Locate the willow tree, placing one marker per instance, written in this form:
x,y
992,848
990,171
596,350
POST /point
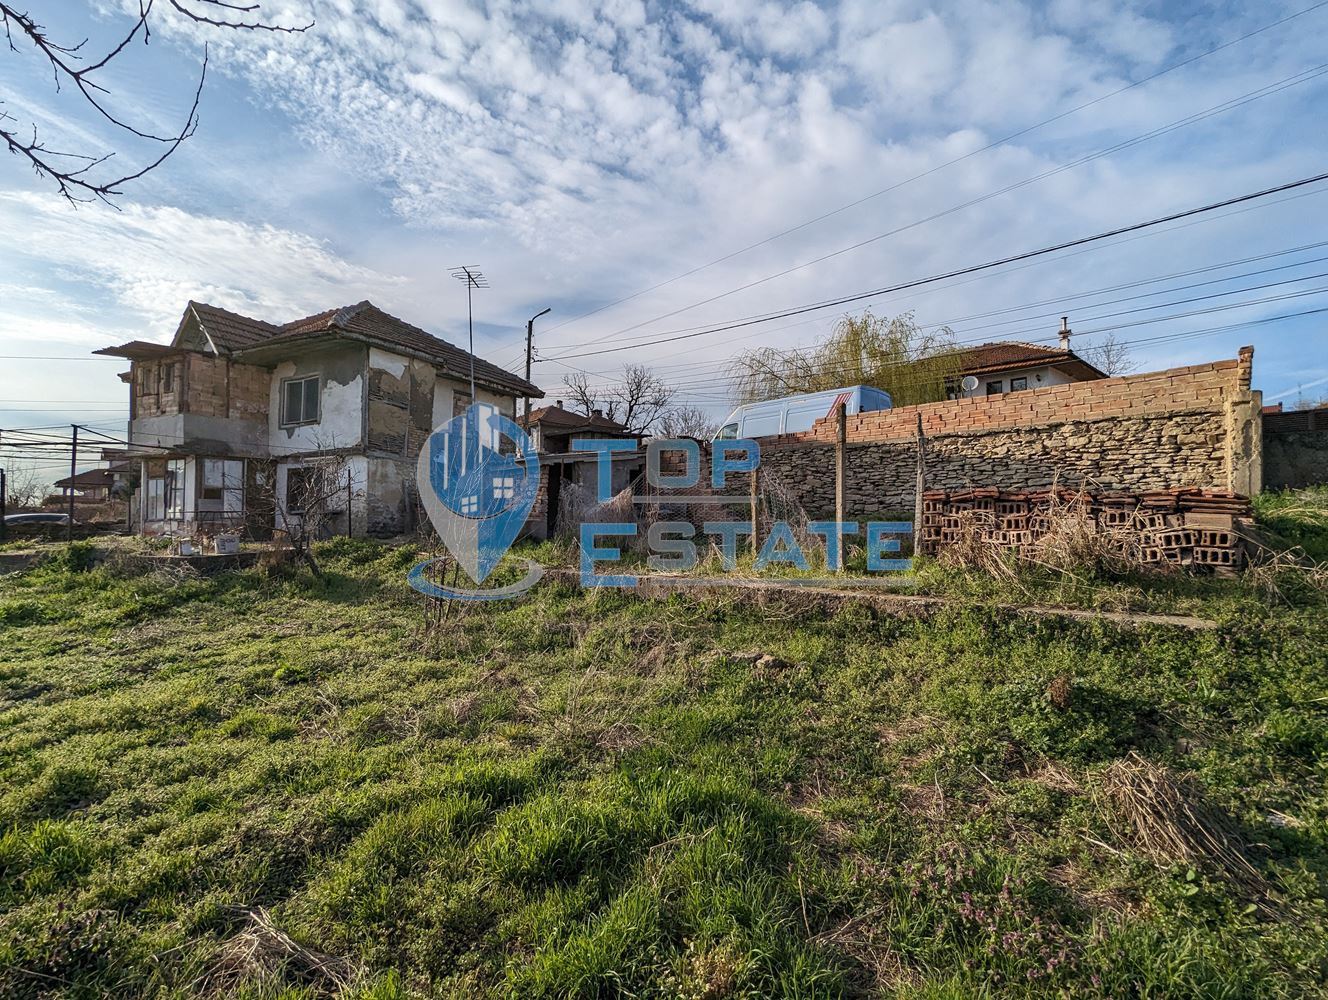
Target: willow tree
x,y
912,364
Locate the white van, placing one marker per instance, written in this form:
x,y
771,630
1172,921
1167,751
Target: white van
x,y
797,413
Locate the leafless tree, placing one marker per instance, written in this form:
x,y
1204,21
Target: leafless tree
x,y
318,494
82,176
687,421
23,487
1111,356
637,400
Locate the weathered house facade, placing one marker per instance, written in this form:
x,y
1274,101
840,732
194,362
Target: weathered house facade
x,y
229,420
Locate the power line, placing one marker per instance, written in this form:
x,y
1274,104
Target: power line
x,y
1062,300
973,269
903,361
849,371
1294,80
986,276
948,163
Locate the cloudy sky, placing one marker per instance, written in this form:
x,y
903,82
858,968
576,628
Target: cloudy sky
x,y
651,169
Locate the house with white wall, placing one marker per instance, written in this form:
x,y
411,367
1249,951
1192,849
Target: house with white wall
x,y
229,420
1012,366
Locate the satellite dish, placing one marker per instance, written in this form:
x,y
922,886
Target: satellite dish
x,y
970,383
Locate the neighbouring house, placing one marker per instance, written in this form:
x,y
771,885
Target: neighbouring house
x,y
88,485
229,421
553,431
1012,366
553,428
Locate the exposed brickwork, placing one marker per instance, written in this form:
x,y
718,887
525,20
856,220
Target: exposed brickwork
x,y
1161,430
1201,388
221,388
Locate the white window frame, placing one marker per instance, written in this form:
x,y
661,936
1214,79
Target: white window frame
x,y
286,420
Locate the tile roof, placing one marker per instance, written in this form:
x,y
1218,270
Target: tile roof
x,y
556,416
87,478
1016,354
231,331
235,334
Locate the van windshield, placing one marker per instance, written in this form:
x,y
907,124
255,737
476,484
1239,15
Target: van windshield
x,y
727,433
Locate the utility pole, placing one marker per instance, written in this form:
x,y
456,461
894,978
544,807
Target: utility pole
x,y
530,340
4,493
69,490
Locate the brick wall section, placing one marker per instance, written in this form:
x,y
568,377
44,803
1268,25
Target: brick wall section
x,y
216,387
1199,388
1183,427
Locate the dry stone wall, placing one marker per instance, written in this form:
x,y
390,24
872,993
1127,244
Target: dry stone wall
x,y
1183,427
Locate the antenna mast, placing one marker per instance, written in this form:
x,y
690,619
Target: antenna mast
x,y
473,278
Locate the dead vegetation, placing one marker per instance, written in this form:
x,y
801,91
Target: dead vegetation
x,y
1164,817
263,951
1071,541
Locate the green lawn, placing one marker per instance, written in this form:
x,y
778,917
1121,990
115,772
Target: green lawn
x,y
265,785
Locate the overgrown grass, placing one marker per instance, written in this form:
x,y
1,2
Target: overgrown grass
x,y
584,794
1299,517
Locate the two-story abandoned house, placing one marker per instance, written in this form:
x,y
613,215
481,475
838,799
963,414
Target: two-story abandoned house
x,y
230,421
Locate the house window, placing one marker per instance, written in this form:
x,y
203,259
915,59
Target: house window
x,y
460,402
156,500
504,487
297,490
299,400
175,489
168,378
222,485
470,505
147,376
994,388
1018,384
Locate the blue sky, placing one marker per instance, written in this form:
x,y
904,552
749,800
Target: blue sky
x,y
581,152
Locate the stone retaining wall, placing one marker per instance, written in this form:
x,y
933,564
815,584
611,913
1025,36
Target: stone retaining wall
x,y
1197,426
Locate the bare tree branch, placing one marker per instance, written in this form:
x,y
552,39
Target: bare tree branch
x,y
687,421
636,401
74,173
1111,356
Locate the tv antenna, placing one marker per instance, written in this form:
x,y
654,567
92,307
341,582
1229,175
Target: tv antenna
x,y
473,278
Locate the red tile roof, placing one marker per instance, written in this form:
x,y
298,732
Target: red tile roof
x,y
236,334
1007,354
561,419
231,331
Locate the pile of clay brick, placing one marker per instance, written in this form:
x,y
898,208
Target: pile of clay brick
x,y
1190,528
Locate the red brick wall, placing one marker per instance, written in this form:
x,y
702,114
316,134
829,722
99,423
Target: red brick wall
x,y
1198,388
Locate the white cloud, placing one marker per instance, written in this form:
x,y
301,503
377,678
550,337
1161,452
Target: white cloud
x,y
584,149
147,262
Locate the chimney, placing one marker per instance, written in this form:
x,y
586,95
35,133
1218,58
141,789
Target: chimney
x,y
1065,333
557,404
597,412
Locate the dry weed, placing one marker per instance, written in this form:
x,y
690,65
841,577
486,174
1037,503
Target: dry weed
x,y
1166,819
262,950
